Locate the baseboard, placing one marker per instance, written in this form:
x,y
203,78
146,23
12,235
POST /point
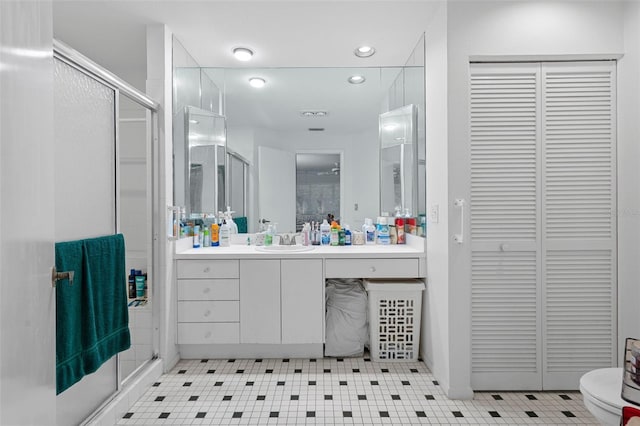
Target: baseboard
x,y
248,351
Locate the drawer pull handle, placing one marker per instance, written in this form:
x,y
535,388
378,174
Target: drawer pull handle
x,y
206,290
207,313
207,335
372,269
207,269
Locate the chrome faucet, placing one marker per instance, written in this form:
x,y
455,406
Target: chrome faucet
x,y
287,239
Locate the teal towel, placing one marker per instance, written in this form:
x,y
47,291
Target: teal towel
x,y
241,222
92,318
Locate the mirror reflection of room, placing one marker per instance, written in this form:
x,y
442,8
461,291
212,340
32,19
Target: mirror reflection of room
x,y
317,188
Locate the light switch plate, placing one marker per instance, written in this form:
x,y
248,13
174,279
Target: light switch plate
x,y
434,213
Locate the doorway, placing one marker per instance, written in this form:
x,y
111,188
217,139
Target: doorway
x,y
318,187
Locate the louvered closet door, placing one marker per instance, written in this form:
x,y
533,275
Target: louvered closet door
x,y
578,220
505,236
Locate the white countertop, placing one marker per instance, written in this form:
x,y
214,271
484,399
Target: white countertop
x,y
414,248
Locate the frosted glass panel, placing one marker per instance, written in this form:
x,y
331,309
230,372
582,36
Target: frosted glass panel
x,y
85,155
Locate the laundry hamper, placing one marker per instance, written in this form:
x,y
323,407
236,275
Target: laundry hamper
x,y
395,309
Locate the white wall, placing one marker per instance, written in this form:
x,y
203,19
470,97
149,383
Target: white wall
x,y
504,28
629,177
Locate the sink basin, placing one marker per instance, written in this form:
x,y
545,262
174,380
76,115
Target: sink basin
x,y
284,249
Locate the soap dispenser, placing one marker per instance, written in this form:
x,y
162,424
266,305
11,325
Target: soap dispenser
x,y
268,237
233,228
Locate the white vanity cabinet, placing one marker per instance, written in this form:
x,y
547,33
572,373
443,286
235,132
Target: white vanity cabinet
x,y
208,301
281,301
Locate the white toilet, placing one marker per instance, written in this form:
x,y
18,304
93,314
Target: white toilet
x,y
601,394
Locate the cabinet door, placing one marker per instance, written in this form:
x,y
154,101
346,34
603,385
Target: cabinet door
x,y
260,301
302,301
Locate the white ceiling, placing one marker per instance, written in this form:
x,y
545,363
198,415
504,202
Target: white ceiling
x,y
294,33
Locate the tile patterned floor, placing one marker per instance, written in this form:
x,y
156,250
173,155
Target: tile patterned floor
x,y
330,391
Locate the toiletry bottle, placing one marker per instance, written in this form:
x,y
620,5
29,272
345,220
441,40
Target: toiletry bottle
x,y
268,237
233,228
206,237
382,231
315,239
215,235
393,234
139,285
325,231
409,223
306,231
132,284
196,236
347,235
334,235
183,222
369,231
399,222
224,234
341,237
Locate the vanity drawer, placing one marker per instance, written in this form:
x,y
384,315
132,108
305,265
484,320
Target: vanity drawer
x,y
209,311
208,269
208,333
371,268
213,289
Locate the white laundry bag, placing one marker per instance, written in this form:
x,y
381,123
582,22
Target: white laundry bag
x,y
347,330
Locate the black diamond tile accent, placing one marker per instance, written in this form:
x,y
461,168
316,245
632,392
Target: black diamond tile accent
x,y
311,413
281,383
274,414
258,360
531,413
414,370
237,414
497,397
127,415
239,371
204,360
384,414
231,360
457,414
374,382
420,359
347,414
367,360
298,370
159,398
187,384
356,370
565,397
327,370
227,397
312,360
340,359
295,397
430,397
362,397
435,382
261,397
395,397
156,384
211,371
343,383
163,415
406,383
494,414
249,384
421,414
193,398
268,371
218,383
182,371
201,415
531,397
285,360
385,370
568,414
312,382
328,397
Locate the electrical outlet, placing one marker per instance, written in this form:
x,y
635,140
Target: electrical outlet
x,y
434,213
355,207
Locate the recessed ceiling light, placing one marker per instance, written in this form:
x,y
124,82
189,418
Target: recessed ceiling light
x,y
364,51
356,79
242,53
257,82
307,113
193,121
314,113
321,113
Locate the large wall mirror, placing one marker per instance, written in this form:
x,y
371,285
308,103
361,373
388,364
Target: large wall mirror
x,y
315,113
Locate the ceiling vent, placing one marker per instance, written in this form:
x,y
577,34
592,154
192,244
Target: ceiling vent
x,y
313,113
316,129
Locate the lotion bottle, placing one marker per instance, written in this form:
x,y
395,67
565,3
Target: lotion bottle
x,y
369,231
